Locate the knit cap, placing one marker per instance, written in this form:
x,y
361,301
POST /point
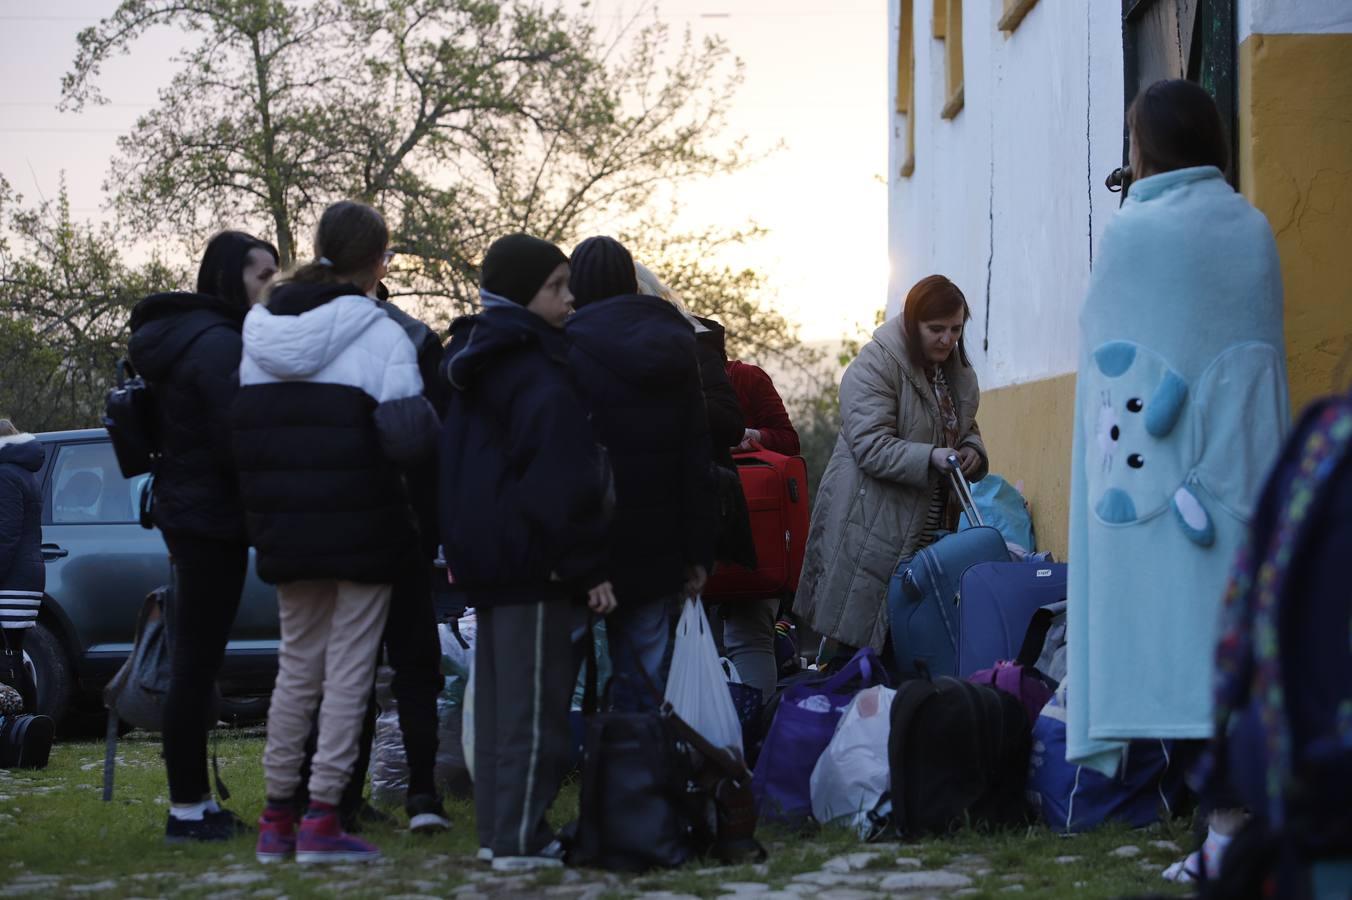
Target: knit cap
x,y
518,265
601,268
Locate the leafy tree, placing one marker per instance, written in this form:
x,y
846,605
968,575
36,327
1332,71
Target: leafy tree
x,y
65,296
461,119
738,297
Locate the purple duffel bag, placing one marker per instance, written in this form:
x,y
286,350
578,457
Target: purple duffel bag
x,y
1024,682
803,725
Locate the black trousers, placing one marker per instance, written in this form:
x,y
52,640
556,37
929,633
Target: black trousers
x,y
208,578
524,673
414,652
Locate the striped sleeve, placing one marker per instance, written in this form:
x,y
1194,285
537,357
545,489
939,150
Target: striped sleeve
x,y
19,609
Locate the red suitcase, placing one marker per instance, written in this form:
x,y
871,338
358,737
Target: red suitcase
x,y
776,497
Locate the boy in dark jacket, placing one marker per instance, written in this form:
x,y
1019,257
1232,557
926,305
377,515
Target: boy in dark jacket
x,y
525,532
634,360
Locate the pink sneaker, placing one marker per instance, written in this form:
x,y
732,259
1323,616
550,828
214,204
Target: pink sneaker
x,y
322,840
276,835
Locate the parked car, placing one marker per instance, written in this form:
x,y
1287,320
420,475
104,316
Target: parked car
x,y
101,564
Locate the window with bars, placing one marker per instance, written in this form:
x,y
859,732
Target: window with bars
x,y
1193,39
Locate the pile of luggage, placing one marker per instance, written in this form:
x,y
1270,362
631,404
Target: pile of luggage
x,y
965,723
971,745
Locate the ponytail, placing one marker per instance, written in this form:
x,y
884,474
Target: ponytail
x,y
350,241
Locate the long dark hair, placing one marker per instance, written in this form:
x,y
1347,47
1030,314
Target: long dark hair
x,y
349,241
221,274
1175,125
933,297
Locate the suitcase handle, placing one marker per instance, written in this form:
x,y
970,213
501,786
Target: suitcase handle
x,y
963,489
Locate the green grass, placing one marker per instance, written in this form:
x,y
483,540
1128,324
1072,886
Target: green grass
x,y
54,823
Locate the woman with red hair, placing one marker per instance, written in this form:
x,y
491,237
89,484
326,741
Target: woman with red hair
x,y
907,403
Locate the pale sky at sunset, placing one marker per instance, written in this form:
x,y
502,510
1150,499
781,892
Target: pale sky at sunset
x,y
816,80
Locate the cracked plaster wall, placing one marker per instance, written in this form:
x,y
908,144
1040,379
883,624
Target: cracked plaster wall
x,y
1296,165
1007,198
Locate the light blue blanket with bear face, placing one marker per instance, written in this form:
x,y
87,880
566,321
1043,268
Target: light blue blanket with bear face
x,y
1181,406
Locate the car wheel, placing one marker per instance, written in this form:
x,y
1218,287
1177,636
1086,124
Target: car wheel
x,y
51,670
86,720
244,710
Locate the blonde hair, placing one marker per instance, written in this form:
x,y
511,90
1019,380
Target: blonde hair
x,y
7,428
652,286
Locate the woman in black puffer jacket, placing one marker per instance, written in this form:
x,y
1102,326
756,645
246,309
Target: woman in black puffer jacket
x,y
188,348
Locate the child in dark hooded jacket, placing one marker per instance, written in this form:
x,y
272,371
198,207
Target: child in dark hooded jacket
x,y
523,521
635,362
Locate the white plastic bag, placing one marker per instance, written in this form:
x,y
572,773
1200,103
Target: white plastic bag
x,y
697,687
457,661
852,775
469,630
389,764
467,725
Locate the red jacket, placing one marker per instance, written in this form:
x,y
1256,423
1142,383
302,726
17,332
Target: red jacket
x,y
762,408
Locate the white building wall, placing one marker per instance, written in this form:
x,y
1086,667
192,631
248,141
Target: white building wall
x,y
1007,199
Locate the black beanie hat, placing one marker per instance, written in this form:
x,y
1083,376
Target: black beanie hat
x,y
602,268
518,265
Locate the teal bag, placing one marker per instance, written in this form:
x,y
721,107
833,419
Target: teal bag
x,y
1003,508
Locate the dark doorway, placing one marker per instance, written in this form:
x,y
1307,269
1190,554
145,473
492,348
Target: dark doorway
x,y
1193,39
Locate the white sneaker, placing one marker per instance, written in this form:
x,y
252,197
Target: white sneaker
x,y
485,855
426,815
525,863
550,857
1186,871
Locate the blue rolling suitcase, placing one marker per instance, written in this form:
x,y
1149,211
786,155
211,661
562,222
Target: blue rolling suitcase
x,y
922,598
998,602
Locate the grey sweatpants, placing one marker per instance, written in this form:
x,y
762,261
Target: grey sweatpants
x,y
523,686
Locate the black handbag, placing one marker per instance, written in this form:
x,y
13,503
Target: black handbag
x,y
635,806
129,416
656,794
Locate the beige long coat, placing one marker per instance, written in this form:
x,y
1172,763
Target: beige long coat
x,y
870,508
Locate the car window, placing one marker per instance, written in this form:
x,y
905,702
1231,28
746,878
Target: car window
x,y
87,487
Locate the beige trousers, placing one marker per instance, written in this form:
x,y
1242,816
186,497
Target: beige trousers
x,y
331,632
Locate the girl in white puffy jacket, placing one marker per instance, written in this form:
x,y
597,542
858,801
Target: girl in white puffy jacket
x,y
330,411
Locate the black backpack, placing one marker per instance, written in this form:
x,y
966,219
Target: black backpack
x,y
129,416
958,755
